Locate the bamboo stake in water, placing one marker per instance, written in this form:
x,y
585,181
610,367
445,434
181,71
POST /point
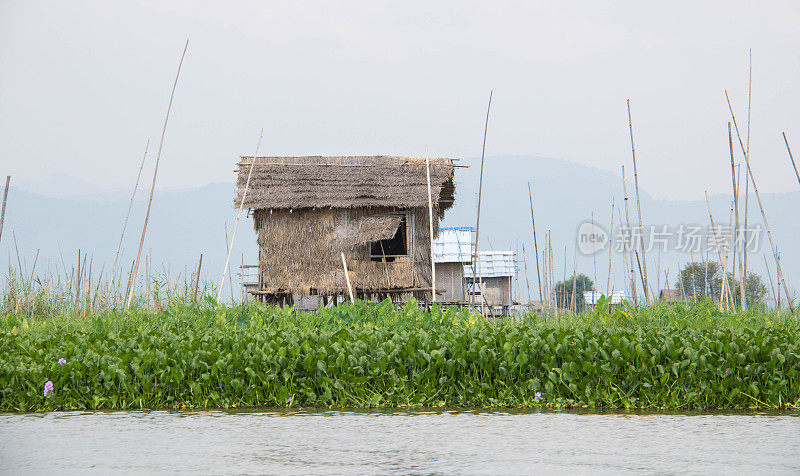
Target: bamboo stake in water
x,y
130,205
155,174
771,284
197,278
230,278
347,278
719,250
780,277
535,247
527,282
736,232
610,250
785,140
430,225
3,210
476,261
236,225
747,182
630,240
638,207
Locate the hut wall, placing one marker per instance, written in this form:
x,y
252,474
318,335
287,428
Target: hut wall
x,y
498,290
450,282
299,250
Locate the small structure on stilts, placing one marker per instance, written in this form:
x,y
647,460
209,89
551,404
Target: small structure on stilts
x,y
307,211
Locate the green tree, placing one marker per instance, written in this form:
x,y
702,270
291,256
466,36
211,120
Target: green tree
x,y
564,291
700,279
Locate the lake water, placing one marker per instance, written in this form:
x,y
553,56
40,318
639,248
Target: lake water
x,y
398,442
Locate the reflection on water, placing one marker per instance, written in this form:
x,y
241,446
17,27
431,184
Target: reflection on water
x,y
403,442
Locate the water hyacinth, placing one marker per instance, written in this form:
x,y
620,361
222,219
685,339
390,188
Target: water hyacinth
x,y
48,387
369,355
62,361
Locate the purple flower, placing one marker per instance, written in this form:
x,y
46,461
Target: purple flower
x,y
538,395
62,361
48,387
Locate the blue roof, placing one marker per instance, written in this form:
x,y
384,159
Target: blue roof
x,y
455,228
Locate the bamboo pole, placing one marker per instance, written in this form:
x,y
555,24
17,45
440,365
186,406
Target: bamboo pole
x,y
238,217
553,293
230,277
527,282
347,278
727,288
639,208
780,278
430,225
630,240
737,246
155,174
719,251
535,247
747,182
5,199
573,302
610,251
130,205
476,261
594,256
197,278
785,140
771,284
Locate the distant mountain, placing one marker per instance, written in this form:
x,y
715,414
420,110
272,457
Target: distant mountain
x,y
185,224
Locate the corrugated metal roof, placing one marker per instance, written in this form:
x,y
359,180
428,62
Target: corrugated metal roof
x,y
453,245
494,264
591,297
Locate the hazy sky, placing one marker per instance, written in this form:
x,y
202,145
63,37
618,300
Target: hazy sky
x,y
83,85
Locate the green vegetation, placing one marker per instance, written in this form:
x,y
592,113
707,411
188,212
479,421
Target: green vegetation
x,y
581,284
364,355
699,279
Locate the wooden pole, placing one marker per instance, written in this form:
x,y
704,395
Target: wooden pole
x,y
130,205
785,140
347,278
535,247
238,217
155,174
430,225
197,278
781,279
638,207
553,293
5,199
737,246
630,240
476,261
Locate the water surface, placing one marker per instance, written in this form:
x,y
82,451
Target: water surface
x,y
398,442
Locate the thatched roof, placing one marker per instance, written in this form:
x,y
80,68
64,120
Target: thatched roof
x,y
344,182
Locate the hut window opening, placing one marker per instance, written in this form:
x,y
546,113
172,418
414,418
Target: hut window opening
x,y
392,248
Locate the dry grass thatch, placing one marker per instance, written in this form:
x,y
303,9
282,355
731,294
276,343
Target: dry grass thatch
x,y
344,182
299,250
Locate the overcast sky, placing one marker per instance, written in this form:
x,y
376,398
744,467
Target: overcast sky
x,y
83,85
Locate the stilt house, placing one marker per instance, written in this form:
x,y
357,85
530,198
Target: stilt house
x,y
309,210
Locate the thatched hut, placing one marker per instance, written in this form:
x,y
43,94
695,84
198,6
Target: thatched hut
x,y
308,210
